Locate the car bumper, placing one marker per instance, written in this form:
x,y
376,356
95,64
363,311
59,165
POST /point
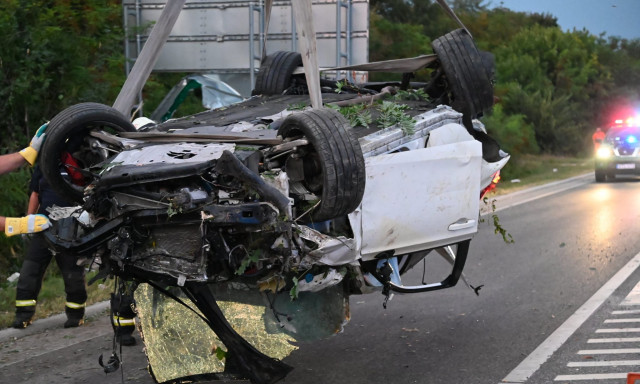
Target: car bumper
x,y
626,165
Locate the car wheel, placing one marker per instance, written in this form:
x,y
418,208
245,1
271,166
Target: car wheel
x,y
468,72
600,176
611,176
69,149
332,165
274,75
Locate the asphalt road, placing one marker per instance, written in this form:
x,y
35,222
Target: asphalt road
x,y
569,240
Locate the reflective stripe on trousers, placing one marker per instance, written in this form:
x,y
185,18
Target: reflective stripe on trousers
x,y
75,305
123,321
25,303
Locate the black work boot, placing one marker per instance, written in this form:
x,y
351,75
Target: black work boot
x,y
22,319
124,335
75,317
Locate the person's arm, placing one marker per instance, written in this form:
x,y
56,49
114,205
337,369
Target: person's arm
x,y
33,203
11,162
31,223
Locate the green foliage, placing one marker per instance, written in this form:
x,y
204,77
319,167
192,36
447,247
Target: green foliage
x,y
293,293
391,40
358,115
221,354
250,258
411,94
556,82
511,131
53,54
392,113
297,107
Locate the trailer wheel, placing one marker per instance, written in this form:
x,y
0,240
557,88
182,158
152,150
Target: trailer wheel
x,y
332,163
274,75
69,149
468,72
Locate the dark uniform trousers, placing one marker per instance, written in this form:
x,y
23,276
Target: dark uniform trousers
x,y
122,311
32,272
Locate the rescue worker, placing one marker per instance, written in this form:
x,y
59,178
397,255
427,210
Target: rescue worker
x,y
37,260
122,303
123,314
9,163
598,138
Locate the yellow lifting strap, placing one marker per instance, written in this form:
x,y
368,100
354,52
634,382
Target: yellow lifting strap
x,y
25,303
123,321
75,305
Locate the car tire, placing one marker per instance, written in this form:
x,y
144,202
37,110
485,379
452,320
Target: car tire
x,y
275,73
468,72
600,176
332,161
68,132
611,176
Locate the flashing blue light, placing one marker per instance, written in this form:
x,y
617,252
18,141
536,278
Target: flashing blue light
x,y
632,139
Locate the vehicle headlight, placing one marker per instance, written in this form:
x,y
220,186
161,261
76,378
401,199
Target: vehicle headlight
x,y
604,153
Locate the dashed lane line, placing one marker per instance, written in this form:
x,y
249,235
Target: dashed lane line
x,y
626,312
613,351
618,330
592,376
615,340
613,363
625,320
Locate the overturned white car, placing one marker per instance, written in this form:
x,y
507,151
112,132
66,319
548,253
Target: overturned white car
x,y
273,197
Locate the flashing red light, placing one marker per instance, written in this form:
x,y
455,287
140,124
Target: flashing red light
x,y
629,121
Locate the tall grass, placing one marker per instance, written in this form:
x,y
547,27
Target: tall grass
x,y
525,171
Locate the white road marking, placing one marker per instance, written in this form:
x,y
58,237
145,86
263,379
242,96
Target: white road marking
x,y
608,351
615,340
593,376
633,298
626,312
628,320
617,330
543,352
614,363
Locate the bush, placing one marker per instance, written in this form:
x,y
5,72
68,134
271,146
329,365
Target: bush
x,y
511,131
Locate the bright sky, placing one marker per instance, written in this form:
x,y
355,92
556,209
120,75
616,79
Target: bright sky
x,y
614,17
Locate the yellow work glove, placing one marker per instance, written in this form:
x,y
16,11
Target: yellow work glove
x,y
31,152
27,224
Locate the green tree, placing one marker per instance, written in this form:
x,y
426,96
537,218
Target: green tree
x,y
556,80
394,40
